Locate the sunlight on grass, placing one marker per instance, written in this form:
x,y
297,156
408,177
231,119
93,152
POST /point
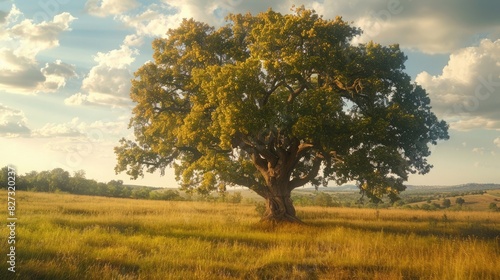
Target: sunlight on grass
x,y
81,237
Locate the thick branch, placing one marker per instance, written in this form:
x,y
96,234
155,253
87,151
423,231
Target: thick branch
x,y
267,93
260,164
302,150
254,146
251,184
294,93
173,109
196,154
297,182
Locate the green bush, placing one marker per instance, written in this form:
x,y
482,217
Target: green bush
x,y
323,199
235,197
446,203
493,206
260,207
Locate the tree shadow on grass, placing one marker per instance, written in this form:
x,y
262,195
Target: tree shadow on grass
x,y
51,264
277,270
308,271
478,230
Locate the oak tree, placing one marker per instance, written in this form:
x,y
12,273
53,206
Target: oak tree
x,y
273,102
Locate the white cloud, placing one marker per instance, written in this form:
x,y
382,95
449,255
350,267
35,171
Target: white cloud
x,y
34,38
157,18
77,99
6,20
133,40
18,73
154,21
467,93
98,128
13,122
79,142
23,41
102,8
118,58
497,142
478,150
58,130
56,75
426,25
60,69
96,131
466,123
108,83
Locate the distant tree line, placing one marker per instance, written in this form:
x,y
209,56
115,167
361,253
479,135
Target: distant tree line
x,y
351,200
59,180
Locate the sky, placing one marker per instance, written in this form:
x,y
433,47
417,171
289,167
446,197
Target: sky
x,y
66,66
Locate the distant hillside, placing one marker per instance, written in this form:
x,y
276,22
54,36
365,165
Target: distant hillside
x,y
352,188
456,188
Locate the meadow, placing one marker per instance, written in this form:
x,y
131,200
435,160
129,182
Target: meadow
x,y
63,236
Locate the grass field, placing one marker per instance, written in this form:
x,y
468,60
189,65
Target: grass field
x,y
62,236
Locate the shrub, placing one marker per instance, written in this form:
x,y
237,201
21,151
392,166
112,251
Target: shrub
x,y
260,207
235,197
493,206
399,203
323,199
446,203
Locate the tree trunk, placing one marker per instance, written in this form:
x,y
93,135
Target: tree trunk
x,y
280,209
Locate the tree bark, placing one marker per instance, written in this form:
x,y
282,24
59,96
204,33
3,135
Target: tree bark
x,y
280,209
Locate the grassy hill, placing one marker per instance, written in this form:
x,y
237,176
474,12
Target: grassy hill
x,y
473,202
63,236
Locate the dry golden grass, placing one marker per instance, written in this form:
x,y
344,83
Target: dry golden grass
x,y
64,236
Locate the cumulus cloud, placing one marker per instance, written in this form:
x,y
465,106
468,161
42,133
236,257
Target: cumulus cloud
x,y
426,25
467,93
58,130
21,75
108,82
478,150
133,40
95,131
76,140
6,20
60,69
497,142
19,71
13,122
154,21
34,38
56,75
102,8
468,123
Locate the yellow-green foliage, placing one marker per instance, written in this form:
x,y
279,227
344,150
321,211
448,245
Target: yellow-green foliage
x,y
62,236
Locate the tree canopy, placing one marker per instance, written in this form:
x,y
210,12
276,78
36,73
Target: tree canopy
x,y
272,102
